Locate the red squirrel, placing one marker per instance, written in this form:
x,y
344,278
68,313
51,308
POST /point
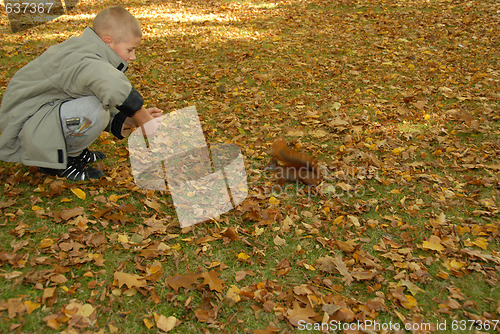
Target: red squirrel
x,y
292,165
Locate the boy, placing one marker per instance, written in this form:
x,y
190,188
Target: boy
x,y
58,104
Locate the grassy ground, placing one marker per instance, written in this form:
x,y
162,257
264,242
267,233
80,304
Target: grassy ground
x,y
400,102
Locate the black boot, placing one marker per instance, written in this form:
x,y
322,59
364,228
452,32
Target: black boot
x,y
77,170
91,156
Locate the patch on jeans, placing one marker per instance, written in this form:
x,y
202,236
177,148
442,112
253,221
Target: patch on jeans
x,y
77,126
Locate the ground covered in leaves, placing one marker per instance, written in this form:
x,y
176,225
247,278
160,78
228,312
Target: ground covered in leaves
x,y
399,100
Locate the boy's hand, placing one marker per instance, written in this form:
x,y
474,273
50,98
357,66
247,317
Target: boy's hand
x,y
155,112
148,120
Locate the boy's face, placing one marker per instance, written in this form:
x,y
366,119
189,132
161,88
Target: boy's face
x,y
126,48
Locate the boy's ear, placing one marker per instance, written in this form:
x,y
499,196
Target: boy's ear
x,y
107,39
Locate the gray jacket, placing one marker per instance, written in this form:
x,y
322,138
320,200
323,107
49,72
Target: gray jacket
x,y
30,124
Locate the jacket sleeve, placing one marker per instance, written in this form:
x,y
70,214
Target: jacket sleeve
x,y
120,125
109,85
115,125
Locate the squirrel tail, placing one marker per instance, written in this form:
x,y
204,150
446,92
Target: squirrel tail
x,y
281,152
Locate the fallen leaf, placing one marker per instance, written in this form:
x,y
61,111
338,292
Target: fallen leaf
x,y
233,294
332,265
182,281
148,323
212,279
433,243
130,280
31,306
298,314
166,324
410,303
279,241
79,193
46,243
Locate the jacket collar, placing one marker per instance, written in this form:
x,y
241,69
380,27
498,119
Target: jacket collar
x,y
103,50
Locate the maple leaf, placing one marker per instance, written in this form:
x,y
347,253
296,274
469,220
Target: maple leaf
x,y
182,281
130,280
433,243
297,313
336,264
212,279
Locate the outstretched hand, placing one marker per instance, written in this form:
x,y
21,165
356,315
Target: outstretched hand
x,y
155,112
148,120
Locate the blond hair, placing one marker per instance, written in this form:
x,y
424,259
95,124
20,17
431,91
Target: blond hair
x,y
116,22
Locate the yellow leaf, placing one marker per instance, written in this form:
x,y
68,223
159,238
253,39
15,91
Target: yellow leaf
x,y
274,201
433,243
79,193
30,306
36,208
354,220
66,200
233,293
166,324
309,267
454,264
410,303
338,220
148,323
481,243
86,310
46,243
243,256
443,275
123,238
259,231
8,49
113,198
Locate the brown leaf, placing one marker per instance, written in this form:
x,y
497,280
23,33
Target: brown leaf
x,y
297,313
182,281
15,306
268,330
364,275
242,274
333,265
70,213
211,278
130,280
7,203
49,296
153,204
